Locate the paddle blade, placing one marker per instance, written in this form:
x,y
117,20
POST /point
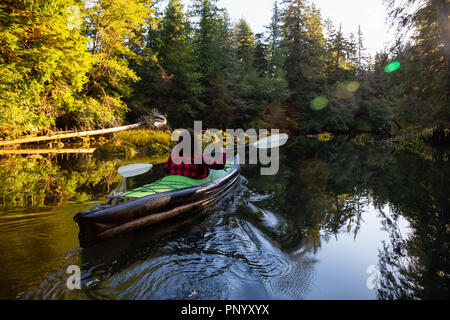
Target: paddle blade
x,y
274,141
133,170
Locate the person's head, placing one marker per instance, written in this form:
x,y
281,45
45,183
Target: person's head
x,y
192,137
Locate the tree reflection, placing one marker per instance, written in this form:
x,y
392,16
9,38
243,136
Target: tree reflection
x,y
38,181
417,267
323,186
321,191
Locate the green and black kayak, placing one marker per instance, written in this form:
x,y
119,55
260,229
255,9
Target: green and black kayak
x,y
147,205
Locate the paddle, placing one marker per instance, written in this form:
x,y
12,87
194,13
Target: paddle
x,y
269,142
133,170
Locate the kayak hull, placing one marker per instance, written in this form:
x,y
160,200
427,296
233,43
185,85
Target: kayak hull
x,y
99,225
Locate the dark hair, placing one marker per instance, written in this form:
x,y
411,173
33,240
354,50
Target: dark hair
x,y
193,137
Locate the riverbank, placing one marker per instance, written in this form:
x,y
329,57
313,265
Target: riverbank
x,y
142,141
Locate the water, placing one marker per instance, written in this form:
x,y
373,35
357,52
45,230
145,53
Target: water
x,y
343,219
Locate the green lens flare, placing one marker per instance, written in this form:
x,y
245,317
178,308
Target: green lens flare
x,y
319,103
391,67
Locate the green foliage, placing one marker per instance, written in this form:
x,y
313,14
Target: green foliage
x,y
38,181
296,48
244,44
173,84
115,26
339,62
418,91
65,64
112,150
73,64
43,65
151,142
143,137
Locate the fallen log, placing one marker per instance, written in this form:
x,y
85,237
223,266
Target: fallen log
x,y
46,151
70,135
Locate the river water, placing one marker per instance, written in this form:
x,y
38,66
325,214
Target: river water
x,y
343,219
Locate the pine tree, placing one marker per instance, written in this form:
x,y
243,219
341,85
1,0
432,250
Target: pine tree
x,y
423,93
275,30
210,38
340,56
316,44
43,64
362,58
260,55
213,52
276,56
296,44
243,39
303,43
115,28
176,57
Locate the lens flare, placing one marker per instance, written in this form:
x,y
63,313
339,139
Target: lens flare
x,y
342,91
319,103
353,86
393,66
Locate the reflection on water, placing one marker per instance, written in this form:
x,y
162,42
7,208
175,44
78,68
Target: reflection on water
x,y
340,221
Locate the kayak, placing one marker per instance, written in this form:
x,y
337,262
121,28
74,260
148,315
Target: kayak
x,y
167,198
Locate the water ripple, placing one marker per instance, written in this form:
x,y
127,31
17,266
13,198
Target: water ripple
x,y
225,255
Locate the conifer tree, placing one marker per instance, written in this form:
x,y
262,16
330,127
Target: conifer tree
x,y
295,44
244,43
276,56
114,26
361,58
424,75
260,55
212,48
43,64
176,58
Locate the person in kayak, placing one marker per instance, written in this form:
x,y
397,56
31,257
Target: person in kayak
x,y
185,165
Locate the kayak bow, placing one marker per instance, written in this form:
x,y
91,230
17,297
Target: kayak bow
x,y
164,199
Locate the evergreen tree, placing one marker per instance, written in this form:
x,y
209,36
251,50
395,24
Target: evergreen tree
x,y
362,63
114,27
275,30
212,48
421,84
176,57
209,38
296,44
341,53
43,64
316,44
276,56
244,43
260,55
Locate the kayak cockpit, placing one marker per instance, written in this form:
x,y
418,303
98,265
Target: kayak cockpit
x,y
166,198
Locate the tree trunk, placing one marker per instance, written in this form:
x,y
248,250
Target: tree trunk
x,y
70,135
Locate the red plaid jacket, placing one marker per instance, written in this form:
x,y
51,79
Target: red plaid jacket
x,y
185,166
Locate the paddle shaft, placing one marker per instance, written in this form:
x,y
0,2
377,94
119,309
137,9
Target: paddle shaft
x,y
255,145
225,150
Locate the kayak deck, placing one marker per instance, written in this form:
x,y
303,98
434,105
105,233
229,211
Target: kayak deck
x,y
174,182
164,199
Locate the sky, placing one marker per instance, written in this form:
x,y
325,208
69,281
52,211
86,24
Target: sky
x,y
370,14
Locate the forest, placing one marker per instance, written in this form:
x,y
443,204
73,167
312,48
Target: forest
x,y
363,180
97,64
